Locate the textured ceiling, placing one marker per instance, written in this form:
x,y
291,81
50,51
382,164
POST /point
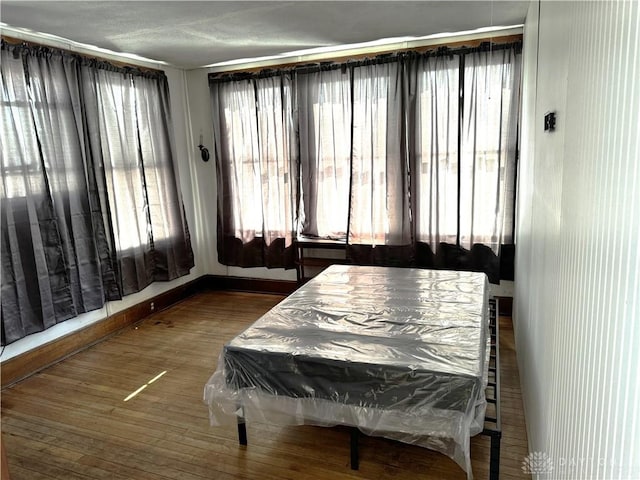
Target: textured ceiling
x,y
193,34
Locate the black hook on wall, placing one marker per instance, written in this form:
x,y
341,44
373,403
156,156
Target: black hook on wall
x,y
204,153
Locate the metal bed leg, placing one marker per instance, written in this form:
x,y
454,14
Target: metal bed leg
x,y
355,460
242,431
494,462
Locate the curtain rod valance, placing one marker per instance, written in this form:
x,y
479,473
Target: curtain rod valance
x,y
15,46
221,77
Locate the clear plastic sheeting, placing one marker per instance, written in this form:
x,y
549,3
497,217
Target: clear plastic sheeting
x,y
398,353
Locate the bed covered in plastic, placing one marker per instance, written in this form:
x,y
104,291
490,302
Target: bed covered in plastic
x,y
398,353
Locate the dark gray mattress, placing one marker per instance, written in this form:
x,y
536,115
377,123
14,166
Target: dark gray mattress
x,y
400,353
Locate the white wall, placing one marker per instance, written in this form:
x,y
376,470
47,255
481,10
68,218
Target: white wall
x,y
577,291
187,157
204,184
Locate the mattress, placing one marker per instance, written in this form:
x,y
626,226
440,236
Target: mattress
x,y
399,353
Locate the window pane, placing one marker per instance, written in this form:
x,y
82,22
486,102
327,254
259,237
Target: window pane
x,y
256,149
436,162
379,213
21,171
154,135
123,169
488,149
241,130
274,161
324,100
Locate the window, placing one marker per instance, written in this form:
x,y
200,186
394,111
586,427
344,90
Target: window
x,y
242,130
436,165
256,138
90,205
324,116
122,160
488,148
333,172
274,159
395,151
379,190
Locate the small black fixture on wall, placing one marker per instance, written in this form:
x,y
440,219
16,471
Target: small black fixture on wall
x,y
204,151
550,122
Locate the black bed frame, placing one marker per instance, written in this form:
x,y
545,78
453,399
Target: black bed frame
x,y
492,424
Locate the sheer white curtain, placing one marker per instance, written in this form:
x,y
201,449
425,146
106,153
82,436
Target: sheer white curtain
x,y
238,142
412,157
130,136
114,111
488,147
379,211
257,171
324,113
434,83
275,135
465,142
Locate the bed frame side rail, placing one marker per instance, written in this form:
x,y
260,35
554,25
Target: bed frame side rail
x,y
493,425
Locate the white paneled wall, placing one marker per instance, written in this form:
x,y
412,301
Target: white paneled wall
x,y
577,306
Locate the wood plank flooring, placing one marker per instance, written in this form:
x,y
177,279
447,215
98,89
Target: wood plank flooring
x,y
71,421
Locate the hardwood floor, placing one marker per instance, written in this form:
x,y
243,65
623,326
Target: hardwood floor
x,y
71,421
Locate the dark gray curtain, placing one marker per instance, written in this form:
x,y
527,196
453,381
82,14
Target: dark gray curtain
x,y
257,170
128,124
62,232
411,157
55,264
170,238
